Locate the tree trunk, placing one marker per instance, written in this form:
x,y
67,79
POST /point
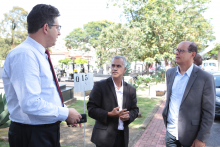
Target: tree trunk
x,y
147,68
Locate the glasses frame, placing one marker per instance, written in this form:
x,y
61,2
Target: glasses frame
x,y
59,26
181,51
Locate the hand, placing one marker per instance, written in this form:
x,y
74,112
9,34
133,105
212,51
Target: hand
x,y
75,125
198,143
73,117
116,113
124,117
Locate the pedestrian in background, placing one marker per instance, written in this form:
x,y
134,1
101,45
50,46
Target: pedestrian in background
x,y
198,60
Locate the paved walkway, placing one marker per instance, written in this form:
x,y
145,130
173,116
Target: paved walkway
x,y
154,135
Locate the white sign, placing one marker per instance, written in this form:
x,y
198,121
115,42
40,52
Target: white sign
x,y
83,82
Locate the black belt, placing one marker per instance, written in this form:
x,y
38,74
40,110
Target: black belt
x,y
41,125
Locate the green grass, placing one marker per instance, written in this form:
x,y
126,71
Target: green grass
x,y
3,143
79,106
145,105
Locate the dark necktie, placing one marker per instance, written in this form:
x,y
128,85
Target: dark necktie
x,y
54,75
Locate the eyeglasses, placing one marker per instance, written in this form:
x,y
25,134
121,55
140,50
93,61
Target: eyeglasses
x,y
58,26
181,51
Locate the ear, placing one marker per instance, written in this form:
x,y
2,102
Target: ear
x,y
125,69
194,54
45,28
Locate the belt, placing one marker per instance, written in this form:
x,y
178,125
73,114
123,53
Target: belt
x,y
41,125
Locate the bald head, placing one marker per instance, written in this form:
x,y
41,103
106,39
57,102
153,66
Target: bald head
x,y
191,46
198,60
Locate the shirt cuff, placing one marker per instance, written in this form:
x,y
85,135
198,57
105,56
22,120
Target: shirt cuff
x,y
63,113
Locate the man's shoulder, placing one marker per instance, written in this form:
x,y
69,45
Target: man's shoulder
x,y
129,86
172,69
104,81
24,47
201,72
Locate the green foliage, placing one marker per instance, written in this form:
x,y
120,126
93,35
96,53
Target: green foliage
x,y
159,76
79,38
80,61
13,28
128,69
4,114
121,40
4,48
76,38
213,54
165,24
137,83
94,29
66,61
145,78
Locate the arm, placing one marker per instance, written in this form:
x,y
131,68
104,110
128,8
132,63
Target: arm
x,y
133,112
94,104
208,109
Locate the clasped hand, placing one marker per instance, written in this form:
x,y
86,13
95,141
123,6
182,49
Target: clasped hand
x,y
123,114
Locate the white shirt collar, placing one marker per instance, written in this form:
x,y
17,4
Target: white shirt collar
x,y
188,72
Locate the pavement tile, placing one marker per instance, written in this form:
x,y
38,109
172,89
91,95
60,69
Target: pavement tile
x,y
154,134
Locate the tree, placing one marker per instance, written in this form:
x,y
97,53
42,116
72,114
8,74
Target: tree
x,y
66,61
14,26
167,23
76,38
79,38
4,49
80,61
13,30
119,39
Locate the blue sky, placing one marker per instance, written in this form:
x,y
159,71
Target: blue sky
x,y
75,13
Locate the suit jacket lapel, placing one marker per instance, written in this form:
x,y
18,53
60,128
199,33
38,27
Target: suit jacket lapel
x,y
171,80
125,91
190,82
112,87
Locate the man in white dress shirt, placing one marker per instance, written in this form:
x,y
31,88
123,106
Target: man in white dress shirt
x,y
113,104
33,99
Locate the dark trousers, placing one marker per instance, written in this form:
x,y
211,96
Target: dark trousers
x,y
172,142
119,141
21,135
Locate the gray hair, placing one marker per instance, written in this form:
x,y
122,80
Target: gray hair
x,y
123,58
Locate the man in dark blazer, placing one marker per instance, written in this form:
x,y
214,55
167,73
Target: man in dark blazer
x,y
113,104
189,111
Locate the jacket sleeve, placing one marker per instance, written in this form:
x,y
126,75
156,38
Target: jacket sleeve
x,y
94,104
208,109
133,112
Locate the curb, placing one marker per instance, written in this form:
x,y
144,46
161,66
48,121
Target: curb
x,y
146,122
